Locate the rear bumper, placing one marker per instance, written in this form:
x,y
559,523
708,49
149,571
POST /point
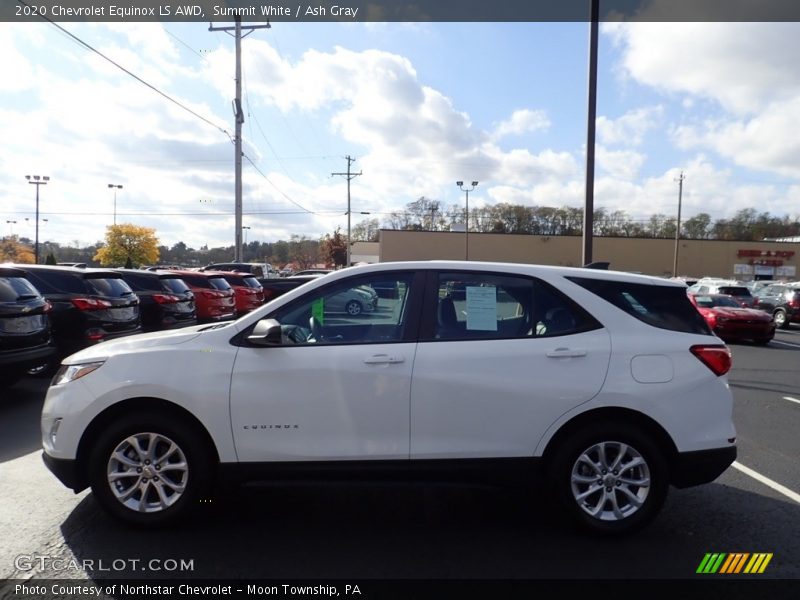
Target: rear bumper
x,y
702,466
22,359
66,471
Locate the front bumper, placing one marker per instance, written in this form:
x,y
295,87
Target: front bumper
x,y
702,466
66,470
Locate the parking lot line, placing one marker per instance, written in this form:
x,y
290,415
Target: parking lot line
x,y
791,345
790,399
781,489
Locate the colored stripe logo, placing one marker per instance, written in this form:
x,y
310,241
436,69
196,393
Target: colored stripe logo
x,y
734,563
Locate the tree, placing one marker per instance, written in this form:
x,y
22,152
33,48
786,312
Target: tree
x,y
303,252
11,250
697,226
367,230
333,249
128,242
51,259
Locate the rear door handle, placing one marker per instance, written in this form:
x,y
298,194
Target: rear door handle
x,y
383,359
566,353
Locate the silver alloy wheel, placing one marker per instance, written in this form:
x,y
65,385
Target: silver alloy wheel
x,y
147,472
779,318
353,308
610,481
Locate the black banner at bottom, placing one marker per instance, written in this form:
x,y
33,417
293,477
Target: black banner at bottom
x,y
405,589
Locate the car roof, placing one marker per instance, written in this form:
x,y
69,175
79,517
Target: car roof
x,y
529,269
73,270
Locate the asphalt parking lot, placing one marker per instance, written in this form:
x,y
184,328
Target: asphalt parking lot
x,y
418,531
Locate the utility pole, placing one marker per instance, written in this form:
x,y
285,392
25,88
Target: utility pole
x,y
350,176
678,227
239,117
37,180
588,208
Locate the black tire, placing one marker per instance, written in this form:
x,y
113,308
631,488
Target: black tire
x,y
781,319
611,437
353,308
194,481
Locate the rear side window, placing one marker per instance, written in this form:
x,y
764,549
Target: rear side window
x,y
13,289
665,307
108,286
251,282
56,282
219,283
140,283
474,305
200,281
734,291
174,285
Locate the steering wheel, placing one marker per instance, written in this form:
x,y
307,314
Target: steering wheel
x,y
316,330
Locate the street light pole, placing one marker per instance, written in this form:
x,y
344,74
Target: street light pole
x,y
11,227
116,187
678,226
460,184
37,180
244,244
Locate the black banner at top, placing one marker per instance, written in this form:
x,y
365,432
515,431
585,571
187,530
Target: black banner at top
x,y
398,10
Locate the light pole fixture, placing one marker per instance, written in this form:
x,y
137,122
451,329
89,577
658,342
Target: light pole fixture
x,y
244,228
460,184
11,227
37,180
116,187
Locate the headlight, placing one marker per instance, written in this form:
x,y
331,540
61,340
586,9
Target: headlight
x,y
69,373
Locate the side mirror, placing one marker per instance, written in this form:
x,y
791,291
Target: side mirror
x,y
267,332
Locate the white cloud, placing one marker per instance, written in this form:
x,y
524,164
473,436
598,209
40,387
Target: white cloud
x,y
743,66
521,122
621,164
630,128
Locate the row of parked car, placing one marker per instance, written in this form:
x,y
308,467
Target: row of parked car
x,y
48,312
737,311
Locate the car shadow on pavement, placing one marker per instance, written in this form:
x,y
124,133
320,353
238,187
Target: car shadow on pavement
x,y
429,531
20,413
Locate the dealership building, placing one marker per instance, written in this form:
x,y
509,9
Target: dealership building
x,y
696,258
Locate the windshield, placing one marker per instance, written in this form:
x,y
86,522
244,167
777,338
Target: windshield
x,y
713,301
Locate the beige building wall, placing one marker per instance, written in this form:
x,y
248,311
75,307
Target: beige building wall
x,y
696,258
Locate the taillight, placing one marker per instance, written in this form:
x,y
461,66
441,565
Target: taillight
x,y
794,302
711,319
165,298
716,358
90,304
211,295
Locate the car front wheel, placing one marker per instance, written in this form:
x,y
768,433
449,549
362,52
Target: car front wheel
x,y
353,308
612,479
148,471
780,319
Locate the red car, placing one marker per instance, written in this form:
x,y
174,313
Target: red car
x,y
213,296
730,321
249,292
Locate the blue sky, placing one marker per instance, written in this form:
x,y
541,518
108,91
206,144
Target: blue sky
x,y
419,105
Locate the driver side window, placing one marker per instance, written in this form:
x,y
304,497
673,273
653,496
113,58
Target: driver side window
x,y
366,309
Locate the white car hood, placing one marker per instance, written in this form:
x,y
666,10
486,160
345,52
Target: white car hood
x,y
136,342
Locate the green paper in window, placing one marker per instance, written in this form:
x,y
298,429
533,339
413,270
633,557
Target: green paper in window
x,y
318,310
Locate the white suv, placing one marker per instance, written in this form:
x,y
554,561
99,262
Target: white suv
x,y
607,386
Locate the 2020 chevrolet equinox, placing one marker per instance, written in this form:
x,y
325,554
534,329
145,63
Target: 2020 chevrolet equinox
x,y
601,387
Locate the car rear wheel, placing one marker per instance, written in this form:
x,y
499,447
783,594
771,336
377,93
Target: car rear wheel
x,y
353,308
780,319
611,478
149,471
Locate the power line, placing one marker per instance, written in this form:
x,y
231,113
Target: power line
x,y
131,74
281,192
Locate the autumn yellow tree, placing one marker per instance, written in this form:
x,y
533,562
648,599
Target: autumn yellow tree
x,y
12,250
126,242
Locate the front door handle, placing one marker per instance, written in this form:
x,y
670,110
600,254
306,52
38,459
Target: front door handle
x,y
566,353
383,359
